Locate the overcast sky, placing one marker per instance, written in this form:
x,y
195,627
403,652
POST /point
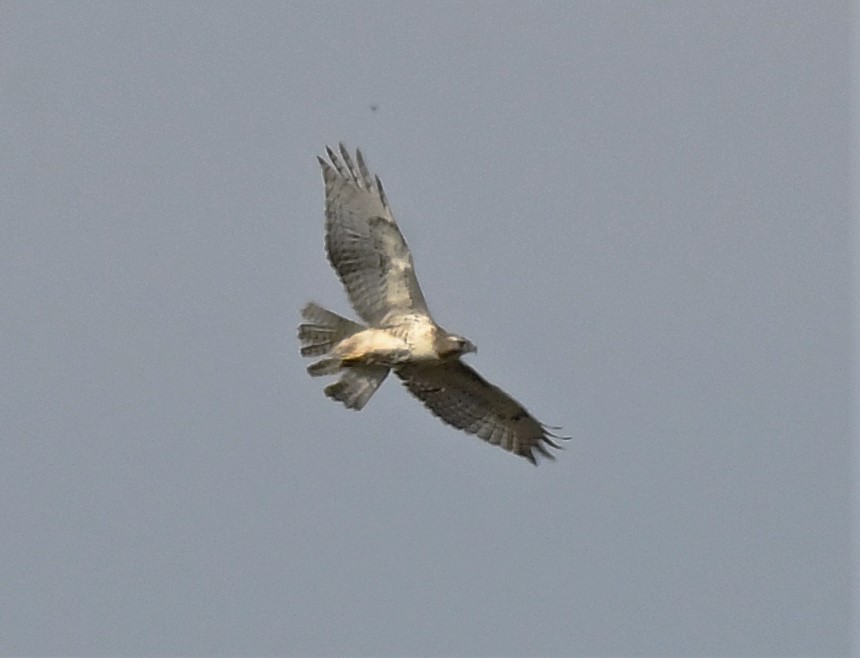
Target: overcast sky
x,y
639,211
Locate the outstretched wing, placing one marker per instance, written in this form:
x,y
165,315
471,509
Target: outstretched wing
x,y
462,398
364,244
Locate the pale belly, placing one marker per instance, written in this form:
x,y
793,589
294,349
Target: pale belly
x,y
372,346
412,342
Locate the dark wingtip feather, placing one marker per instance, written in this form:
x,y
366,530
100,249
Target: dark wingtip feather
x,y
546,453
350,165
550,442
545,442
548,431
366,180
327,170
381,191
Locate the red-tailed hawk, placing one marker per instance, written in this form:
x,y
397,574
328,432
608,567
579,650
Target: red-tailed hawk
x,y
369,254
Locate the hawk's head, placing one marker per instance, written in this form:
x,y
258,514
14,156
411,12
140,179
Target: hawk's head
x,y
450,346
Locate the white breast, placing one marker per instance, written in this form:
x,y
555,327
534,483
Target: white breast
x,y
420,340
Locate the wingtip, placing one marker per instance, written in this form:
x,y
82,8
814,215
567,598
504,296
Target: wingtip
x,y
381,191
344,153
550,430
547,440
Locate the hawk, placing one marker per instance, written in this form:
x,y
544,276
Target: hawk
x,y
367,250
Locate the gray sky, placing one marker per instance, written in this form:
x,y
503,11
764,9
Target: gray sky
x,y
638,211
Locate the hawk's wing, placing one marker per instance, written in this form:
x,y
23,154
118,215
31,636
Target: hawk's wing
x,y
364,245
462,398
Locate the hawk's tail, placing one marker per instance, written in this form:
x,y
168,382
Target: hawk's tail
x,y
323,331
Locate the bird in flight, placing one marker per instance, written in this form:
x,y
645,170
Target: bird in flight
x,y
367,250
